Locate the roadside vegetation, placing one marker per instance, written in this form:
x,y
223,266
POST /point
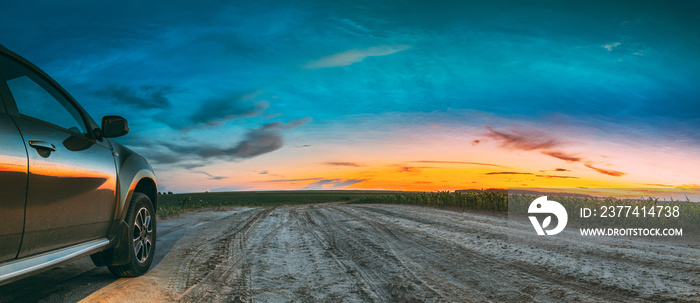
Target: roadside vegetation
x,y
491,200
175,204
646,212
494,200
685,214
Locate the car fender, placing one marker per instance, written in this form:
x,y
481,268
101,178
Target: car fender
x,y
133,174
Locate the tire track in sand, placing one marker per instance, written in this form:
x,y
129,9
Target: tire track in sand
x,y
213,271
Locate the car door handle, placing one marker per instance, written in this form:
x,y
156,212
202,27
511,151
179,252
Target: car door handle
x,y
42,145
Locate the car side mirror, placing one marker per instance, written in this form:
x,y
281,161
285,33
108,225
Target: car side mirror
x,y
114,126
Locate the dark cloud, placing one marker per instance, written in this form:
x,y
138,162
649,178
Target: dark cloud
x,y
256,142
456,162
216,112
531,140
163,157
561,169
563,156
350,164
143,97
523,140
191,165
610,172
211,176
534,140
506,173
259,141
264,172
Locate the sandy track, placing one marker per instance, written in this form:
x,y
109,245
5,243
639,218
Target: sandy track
x,y
390,253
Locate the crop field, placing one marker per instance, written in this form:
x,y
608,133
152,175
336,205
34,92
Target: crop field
x,y
496,200
175,204
500,201
492,200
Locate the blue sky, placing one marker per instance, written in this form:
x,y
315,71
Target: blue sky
x,y
214,84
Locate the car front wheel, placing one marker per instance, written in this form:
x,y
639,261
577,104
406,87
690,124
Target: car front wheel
x,y
141,219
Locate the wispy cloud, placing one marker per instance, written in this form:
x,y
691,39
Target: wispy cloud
x,y
563,156
556,176
610,46
689,186
256,142
536,175
143,97
656,184
333,183
561,169
262,140
411,169
531,140
293,180
523,139
610,172
350,164
218,111
348,182
212,177
356,55
507,173
627,45
547,145
455,162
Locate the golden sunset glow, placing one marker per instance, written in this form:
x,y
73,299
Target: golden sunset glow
x,y
415,161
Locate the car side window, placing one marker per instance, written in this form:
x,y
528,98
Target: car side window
x,y
37,99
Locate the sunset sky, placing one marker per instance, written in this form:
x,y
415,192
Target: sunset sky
x,y
398,95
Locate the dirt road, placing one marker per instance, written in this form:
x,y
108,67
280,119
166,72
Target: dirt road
x,y
380,253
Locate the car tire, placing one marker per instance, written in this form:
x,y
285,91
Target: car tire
x,y
141,219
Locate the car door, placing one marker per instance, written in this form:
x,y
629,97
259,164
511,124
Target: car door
x,y
13,186
72,178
